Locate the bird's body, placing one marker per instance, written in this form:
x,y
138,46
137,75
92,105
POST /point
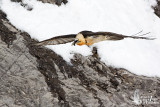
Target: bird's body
x,y
87,38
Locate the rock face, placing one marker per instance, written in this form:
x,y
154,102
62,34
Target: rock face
x,y
157,8
57,2
33,76
21,83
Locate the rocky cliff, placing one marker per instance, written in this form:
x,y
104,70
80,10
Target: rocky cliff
x,y
34,76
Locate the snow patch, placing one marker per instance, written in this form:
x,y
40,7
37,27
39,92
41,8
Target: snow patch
x,y
126,17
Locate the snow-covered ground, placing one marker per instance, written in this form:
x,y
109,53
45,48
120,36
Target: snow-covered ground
x,y
126,17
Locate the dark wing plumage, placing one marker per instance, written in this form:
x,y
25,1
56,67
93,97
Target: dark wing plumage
x,y
109,35
58,40
112,36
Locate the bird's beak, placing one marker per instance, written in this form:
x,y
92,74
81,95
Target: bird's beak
x,y
74,42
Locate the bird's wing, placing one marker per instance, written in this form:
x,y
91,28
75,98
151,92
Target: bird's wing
x,y
58,40
115,36
111,35
107,35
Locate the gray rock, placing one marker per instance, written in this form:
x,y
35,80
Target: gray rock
x,y
57,2
34,76
157,8
21,84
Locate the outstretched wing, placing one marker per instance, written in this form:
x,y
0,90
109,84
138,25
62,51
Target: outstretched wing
x,y
113,36
58,40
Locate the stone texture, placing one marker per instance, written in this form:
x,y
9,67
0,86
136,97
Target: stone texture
x,y
57,2
34,76
21,84
157,8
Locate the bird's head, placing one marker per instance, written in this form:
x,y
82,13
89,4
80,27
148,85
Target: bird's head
x,y
80,40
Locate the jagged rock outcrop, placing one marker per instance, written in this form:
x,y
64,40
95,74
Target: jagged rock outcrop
x,y
157,8
57,2
21,83
34,76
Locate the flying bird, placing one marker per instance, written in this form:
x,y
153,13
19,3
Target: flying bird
x,y
88,38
